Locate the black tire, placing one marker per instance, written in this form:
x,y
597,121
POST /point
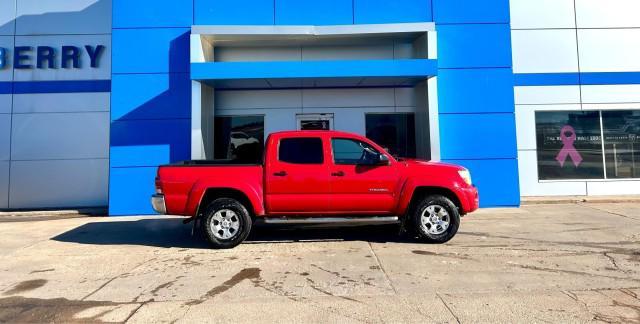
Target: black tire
x,y
209,220
422,231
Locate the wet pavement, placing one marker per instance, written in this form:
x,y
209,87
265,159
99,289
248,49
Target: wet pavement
x,y
555,263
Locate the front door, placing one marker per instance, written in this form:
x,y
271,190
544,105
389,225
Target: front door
x,y
297,178
314,121
357,188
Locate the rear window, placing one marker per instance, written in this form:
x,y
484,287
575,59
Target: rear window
x,y
301,150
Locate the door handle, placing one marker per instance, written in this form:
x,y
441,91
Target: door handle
x,y
280,174
338,174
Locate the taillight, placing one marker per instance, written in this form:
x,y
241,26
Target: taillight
x,y
158,186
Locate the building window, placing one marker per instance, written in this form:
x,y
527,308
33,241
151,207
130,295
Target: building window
x,y
570,144
239,139
621,131
301,150
395,132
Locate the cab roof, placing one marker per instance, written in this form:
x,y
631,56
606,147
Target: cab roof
x,y
298,133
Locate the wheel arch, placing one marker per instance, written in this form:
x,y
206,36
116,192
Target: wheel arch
x,y
211,194
423,191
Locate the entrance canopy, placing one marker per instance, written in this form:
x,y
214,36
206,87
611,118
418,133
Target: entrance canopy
x,y
271,57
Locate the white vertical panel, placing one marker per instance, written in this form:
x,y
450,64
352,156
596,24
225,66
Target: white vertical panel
x,y
280,120
530,186
256,54
60,136
616,93
250,99
607,14
5,136
542,14
6,74
5,103
41,17
7,14
59,183
604,188
402,50
4,184
405,97
343,52
197,138
350,120
354,97
609,50
547,95
544,51
61,102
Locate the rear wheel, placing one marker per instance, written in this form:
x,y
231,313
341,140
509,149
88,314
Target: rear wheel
x,y
435,219
226,223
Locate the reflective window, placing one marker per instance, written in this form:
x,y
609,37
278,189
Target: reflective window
x,y
348,151
395,132
622,143
314,125
239,138
301,150
569,145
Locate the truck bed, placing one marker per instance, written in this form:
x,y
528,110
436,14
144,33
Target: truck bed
x,y
186,182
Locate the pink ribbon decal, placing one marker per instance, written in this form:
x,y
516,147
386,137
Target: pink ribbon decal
x,y
568,148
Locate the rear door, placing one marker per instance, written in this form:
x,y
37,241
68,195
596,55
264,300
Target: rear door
x,y
297,178
358,188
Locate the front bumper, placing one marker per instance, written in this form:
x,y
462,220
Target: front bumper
x,y
157,202
471,196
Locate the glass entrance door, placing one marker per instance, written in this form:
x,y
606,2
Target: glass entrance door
x,y
314,121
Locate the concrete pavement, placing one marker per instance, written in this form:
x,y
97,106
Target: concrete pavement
x,y
540,263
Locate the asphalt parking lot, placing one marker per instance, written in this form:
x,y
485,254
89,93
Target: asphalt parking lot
x,y
539,263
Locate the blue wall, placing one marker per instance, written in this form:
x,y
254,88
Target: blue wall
x,y
475,95
150,99
151,87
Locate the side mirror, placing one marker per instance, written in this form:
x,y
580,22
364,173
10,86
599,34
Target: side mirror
x,y
383,159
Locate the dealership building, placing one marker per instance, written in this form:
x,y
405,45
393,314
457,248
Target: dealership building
x,y
534,97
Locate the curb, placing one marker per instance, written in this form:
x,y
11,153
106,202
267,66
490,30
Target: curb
x,y
55,212
579,199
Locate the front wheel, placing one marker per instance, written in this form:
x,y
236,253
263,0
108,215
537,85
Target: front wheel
x,y
226,223
435,219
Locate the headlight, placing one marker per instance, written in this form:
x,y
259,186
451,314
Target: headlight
x,y
465,175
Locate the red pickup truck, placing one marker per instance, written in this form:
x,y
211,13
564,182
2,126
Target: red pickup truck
x,y
316,177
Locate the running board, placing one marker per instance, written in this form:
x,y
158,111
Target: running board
x,y
332,220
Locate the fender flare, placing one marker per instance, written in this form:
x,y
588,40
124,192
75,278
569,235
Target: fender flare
x,y
198,190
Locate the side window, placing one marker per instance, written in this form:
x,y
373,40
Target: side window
x,y
301,150
348,151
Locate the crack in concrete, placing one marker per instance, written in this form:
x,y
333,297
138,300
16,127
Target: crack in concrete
x,y
449,308
122,275
612,260
384,271
530,267
598,316
608,212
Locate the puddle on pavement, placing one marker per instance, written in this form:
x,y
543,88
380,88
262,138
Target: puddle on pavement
x,y
252,274
18,309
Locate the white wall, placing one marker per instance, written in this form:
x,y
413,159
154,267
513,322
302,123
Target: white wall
x,y
54,146
549,36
